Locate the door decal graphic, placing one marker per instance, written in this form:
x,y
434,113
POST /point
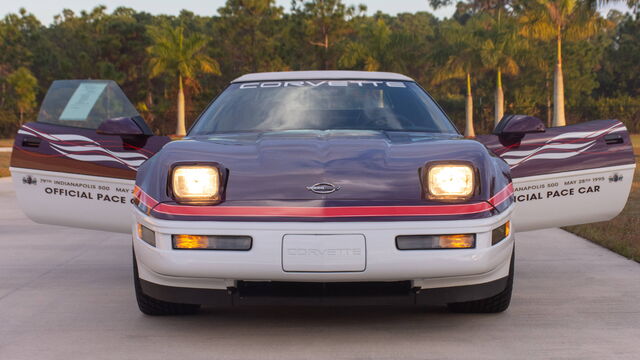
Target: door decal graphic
x,y
557,147
82,148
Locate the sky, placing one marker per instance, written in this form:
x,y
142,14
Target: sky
x,y
45,10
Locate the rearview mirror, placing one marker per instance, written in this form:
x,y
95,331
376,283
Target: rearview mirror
x,y
512,128
124,126
519,124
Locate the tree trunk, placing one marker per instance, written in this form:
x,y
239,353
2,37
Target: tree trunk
x,y
549,107
468,130
558,89
4,93
149,99
326,51
499,106
180,129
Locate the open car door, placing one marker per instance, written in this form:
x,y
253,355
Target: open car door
x,y
567,175
76,166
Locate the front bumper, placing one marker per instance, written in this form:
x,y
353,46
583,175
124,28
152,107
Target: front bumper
x,y
221,270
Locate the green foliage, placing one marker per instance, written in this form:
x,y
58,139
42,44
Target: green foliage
x,y
326,24
459,50
176,55
621,65
181,58
372,50
8,122
143,54
24,86
624,108
255,30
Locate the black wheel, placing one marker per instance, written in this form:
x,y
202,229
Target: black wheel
x,y
155,307
495,304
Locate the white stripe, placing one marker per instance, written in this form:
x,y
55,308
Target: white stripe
x,y
585,134
126,155
550,146
130,159
564,155
133,164
59,137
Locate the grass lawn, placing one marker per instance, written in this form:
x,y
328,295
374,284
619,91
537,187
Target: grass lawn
x,y
6,142
4,164
621,234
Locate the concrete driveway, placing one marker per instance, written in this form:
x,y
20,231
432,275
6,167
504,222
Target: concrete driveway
x,y
68,294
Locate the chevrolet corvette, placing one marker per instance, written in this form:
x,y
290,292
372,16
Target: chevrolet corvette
x,y
322,187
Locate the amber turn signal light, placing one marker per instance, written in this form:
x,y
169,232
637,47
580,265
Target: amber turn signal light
x,y
431,242
190,242
500,233
465,241
145,234
212,242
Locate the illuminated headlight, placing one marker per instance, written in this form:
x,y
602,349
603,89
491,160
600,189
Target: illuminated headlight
x,y
450,182
196,184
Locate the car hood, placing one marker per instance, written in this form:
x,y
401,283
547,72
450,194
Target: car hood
x,y
365,165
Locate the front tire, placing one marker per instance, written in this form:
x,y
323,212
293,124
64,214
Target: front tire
x,y
494,304
154,307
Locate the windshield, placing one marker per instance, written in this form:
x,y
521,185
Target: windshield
x,y
323,105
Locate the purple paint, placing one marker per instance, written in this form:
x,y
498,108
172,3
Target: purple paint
x,y
62,147
372,168
519,124
568,148
124,126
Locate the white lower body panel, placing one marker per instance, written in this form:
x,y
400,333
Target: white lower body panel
x,y
88,202
209,269
571,198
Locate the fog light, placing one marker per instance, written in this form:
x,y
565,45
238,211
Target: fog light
x,y
427,242
500,233
147,235
212,242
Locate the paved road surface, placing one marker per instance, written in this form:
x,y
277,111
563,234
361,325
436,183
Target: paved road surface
x,y
67,294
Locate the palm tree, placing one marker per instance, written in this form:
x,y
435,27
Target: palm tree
x,y
179,56
560,20
460,56
499,51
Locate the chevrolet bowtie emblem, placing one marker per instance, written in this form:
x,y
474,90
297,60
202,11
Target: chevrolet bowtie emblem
x,y
323,188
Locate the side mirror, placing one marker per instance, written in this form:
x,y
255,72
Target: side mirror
x,y
124,126
512,128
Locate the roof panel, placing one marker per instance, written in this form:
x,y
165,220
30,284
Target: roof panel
x,y
321,75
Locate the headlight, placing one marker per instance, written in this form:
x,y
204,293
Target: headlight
x,y
196,184
450,182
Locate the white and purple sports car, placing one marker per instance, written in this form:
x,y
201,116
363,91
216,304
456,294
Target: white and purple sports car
x,y
317,187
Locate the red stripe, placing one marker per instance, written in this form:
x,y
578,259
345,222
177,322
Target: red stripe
x,y
322,212
144,198
502,195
